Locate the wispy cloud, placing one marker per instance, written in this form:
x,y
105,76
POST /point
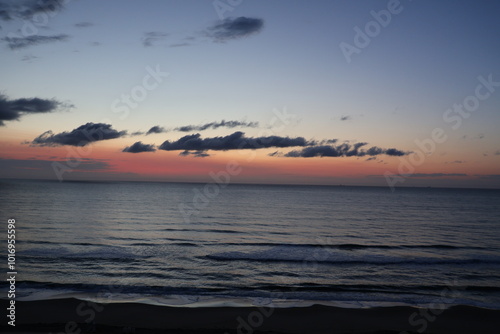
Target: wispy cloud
x,y
152,37
83,24
23,42
190,128
81,136
43,164
423,175
215,125
345,118
178,45
233,28
13,109
29,58
139,147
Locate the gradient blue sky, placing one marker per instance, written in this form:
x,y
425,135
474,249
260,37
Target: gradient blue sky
x,y
395,91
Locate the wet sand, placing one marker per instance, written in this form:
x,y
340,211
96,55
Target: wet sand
x,y
77,316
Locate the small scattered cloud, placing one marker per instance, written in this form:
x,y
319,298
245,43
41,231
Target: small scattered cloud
x,y
83,24
345,118
81,136
15,43
328,141
151,38
497,152
233,28
156,129
139,147
29,58
371,158
478,137
14,109
196,154
455,162
235,141
178,45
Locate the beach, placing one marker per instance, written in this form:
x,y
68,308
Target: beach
x,y
77,316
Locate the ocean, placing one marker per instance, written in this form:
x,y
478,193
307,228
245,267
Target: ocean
x,y
188,245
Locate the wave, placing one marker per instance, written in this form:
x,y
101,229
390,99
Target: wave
x,y
351,246
341,257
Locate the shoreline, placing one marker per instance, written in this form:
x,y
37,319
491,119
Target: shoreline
x,y
72,315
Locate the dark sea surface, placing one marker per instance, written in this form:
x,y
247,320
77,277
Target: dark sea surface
x,y
172,244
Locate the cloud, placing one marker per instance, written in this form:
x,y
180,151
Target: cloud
x,y
215,125
235,141
81,136
497,152
178,45
42,164
492,177
29,58
25,9
455,162
434,174
150,38
139,147
83,24
156,129
13,109
202,127
196,154
233,28
24,42
345,118
342,150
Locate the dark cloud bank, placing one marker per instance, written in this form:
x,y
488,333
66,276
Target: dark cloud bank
x,y
234,141
81,136
194,144
11,110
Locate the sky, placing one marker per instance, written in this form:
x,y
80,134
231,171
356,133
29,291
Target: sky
x,y
378,93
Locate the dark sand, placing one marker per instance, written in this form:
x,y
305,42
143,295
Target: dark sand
x,y
76,316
